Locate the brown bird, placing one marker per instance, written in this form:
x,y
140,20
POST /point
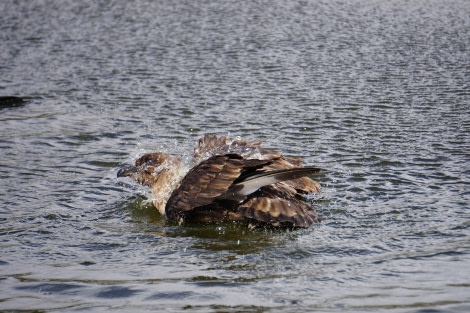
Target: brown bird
x,y
229,180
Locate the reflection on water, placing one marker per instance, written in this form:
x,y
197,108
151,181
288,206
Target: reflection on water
x,y
375,93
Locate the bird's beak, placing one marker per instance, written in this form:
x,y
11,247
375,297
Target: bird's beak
x,y
126,171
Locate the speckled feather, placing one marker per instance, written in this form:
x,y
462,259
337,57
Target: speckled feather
x,y
207,181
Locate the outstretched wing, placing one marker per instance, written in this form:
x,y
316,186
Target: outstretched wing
x,y
208,144
212,145
207,181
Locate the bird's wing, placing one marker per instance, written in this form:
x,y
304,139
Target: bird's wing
x,y
207,181
303,185
212,145
277,205
249,184
209,143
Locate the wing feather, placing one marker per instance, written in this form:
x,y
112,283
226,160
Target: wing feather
x,y
303,185
207,181
269,207
252,183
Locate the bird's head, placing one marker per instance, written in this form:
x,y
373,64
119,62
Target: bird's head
x,y
148,168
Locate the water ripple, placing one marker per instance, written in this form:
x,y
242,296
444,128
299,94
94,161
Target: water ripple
x,y
374,93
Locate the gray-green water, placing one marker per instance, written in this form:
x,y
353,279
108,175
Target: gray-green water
x,y
374,92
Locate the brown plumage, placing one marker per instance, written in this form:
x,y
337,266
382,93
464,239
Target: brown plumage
x,y
229,180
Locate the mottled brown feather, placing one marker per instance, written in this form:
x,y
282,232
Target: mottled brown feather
x,y
303,185
268,207
206,181
211,145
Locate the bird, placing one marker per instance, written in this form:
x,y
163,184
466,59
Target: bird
x,y
229,180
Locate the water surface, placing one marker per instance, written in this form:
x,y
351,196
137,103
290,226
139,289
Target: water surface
x,y
374,92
